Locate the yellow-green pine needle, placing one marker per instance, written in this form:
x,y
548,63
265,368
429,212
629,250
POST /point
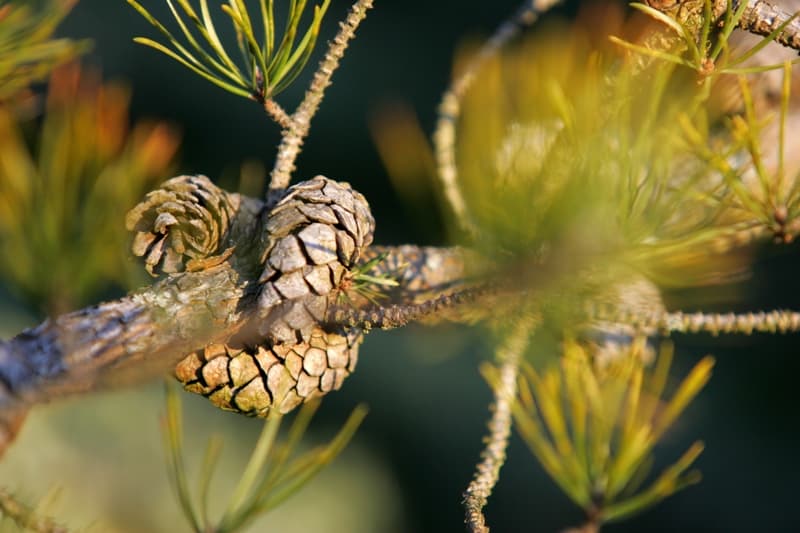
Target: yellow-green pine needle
x,y
548,393
762,43
174,446
289,34
294,65
242,494
296,432
576,401
210,77
208,24
250,48
219,67
669,482
786,88
320,459
631,452
534,436
268,20
652,52
209,464
686,392
529,423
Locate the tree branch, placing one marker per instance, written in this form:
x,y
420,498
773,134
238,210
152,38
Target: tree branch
x,y
493,456
759,17
762,18
300,121
148,332
778,321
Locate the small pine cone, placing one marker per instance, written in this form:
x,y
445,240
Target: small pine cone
x,y
254,380
186,219
312,238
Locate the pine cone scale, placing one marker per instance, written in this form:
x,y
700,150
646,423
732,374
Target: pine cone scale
x,y
310,241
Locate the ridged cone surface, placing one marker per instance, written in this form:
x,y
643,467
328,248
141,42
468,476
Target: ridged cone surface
x,y
310,241
254,380
186,218
312,238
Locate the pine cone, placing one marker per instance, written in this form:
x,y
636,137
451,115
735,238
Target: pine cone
x,y
254,380
186,219
312,238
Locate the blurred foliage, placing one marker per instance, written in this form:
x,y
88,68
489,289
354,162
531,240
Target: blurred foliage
x,y
271,474
570,154
587,162
13,511
28,50
267,69
593,417
766,193
575,157
62,237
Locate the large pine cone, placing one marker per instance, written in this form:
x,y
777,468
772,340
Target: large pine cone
x,y
255,380
312,238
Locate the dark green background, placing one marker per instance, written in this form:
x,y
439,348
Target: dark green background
x,y
427,411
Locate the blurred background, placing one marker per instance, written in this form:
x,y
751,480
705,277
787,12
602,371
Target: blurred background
x,y
96,463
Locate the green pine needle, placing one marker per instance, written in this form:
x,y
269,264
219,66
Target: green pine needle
x,y
270,476
265,71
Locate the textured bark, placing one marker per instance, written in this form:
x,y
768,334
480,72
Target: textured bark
x,y
147,333
115,341
217,250
759,17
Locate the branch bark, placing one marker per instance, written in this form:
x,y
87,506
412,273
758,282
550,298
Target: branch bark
x,y
148,332
493,456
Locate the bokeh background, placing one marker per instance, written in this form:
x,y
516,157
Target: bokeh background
x,y
97,463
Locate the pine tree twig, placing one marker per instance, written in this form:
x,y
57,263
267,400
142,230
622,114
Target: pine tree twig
x,y
758,17
493,455
778,321
762,18
277,113
592,525
397,316
444,136
300,121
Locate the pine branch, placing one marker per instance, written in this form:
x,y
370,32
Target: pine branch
x,y
145,334
396,316
277,113
300,121
763,18
778,321
493,456
757,17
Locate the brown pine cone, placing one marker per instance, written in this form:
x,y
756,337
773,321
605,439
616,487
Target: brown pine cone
x,y
186,219
311,239
254,380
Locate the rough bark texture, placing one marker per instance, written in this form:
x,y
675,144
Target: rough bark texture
x,y
217,250
759,17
